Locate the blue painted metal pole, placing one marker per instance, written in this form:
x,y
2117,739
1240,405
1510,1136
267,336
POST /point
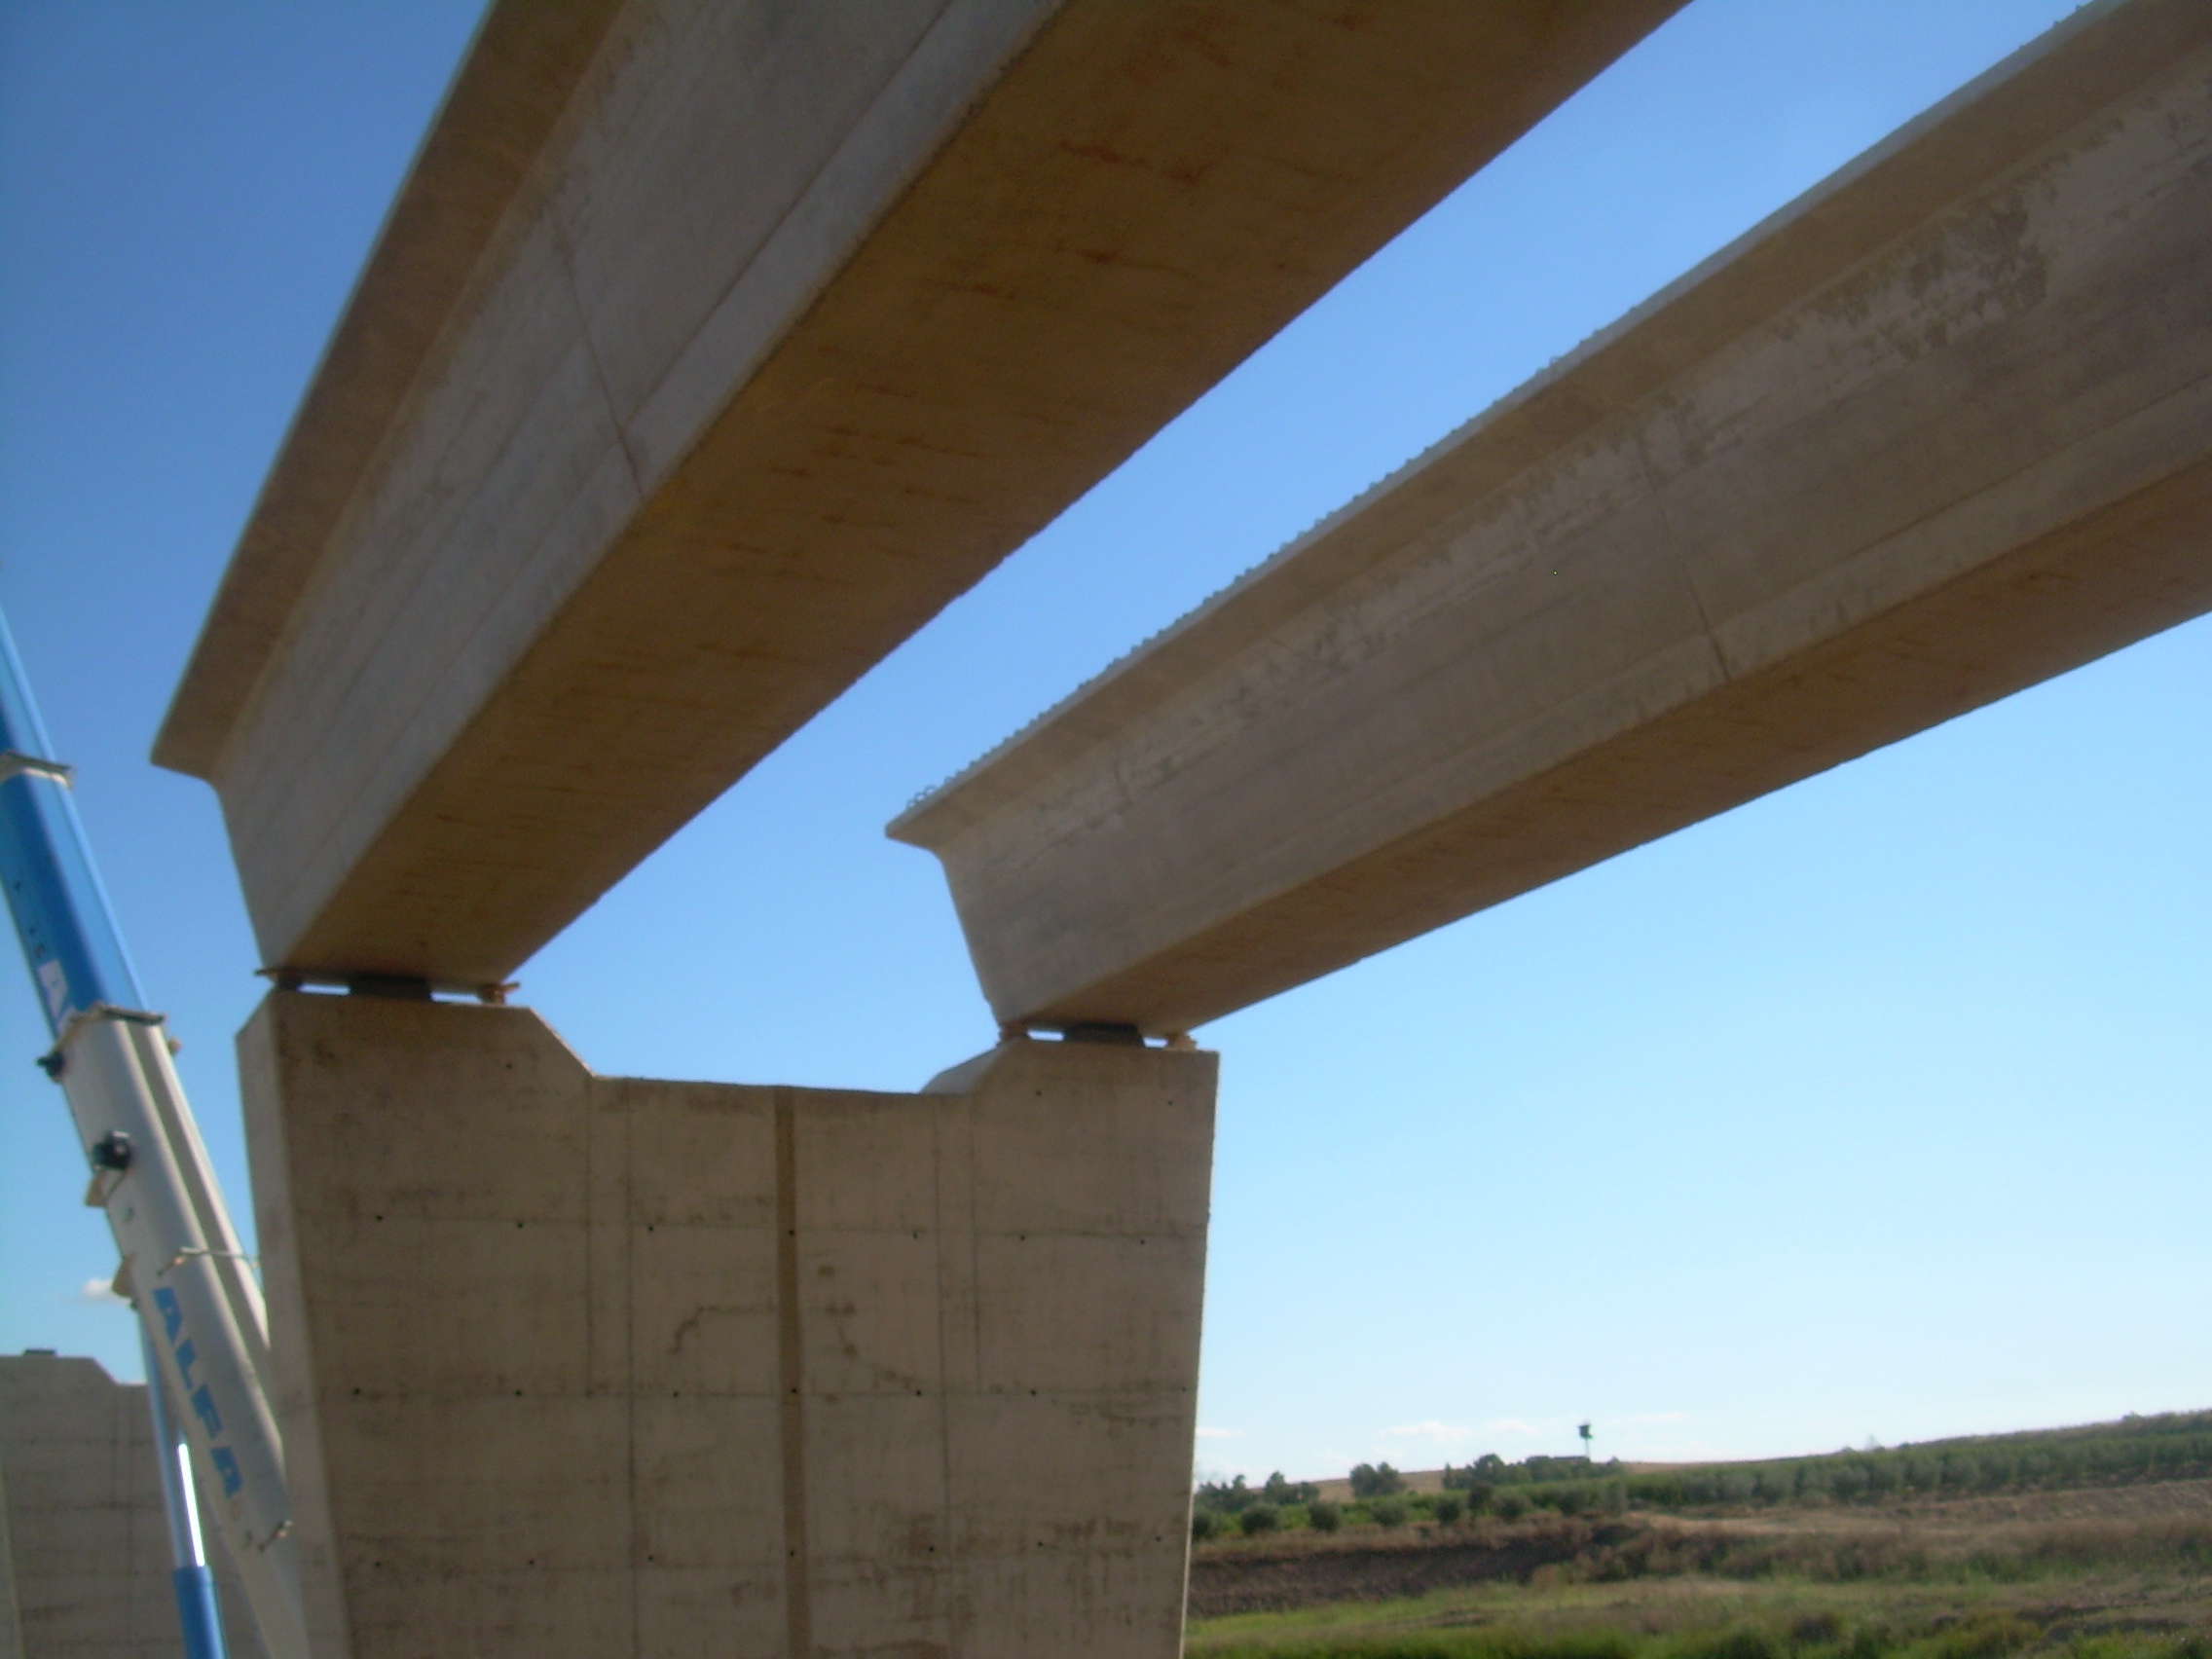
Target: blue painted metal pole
x,y
62,912
194,1583
181,1259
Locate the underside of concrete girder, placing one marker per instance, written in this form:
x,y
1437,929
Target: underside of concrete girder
x,y
1938,430
713,348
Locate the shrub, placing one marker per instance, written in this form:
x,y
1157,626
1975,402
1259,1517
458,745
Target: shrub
x,y
1592,1645
1814,1629
1323,1516
1447,1509
1226,1497
1734,1644
1202,1525
1387,1512
1371,1480
1260,1518
1987,1635
1511,1505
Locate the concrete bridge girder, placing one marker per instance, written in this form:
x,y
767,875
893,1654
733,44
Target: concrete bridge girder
x,y
1938,430
604,490
711,348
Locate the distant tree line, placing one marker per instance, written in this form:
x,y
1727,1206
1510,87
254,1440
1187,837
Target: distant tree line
x,y
1492,1470
1479,1482
1219,1504
1234,1498
2175,1445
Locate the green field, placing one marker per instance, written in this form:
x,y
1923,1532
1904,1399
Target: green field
x,y
1718,1619
2078,1542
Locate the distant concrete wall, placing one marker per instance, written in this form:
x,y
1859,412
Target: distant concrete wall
x,y
89,1542
598,1366
11,1602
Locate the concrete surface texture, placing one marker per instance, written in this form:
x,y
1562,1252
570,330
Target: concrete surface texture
x,y
714,345
86,1574
602,1366
10,1600
1938,430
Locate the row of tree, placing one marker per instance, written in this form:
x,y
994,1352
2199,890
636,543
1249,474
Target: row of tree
x,y
2176,1446
1235,1497
1950,1469
1322,1516
1493,1471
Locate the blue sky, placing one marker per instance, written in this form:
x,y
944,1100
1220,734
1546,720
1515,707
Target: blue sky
x,y
1881,1107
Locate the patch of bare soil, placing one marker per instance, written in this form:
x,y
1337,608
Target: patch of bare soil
x,y
1936,1519
2140,1532
1302,1571
2150,1500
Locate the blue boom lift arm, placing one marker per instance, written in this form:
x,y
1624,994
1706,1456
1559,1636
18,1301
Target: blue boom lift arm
x,y
197,1300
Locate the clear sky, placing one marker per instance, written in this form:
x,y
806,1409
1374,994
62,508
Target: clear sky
x,y
1881,1107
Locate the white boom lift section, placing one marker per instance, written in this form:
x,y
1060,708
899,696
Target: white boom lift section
x,y
197,1296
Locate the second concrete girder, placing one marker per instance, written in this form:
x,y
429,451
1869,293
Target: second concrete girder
x,y
1938,430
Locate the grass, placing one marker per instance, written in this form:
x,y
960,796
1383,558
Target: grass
x,y
1820,1587
1695,1620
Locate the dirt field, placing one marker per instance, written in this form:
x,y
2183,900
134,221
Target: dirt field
x,y
2162,1498
2068,1552
1283,1573
1303,1568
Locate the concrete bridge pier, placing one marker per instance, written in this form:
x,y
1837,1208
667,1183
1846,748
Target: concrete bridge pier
x,y
580,1365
